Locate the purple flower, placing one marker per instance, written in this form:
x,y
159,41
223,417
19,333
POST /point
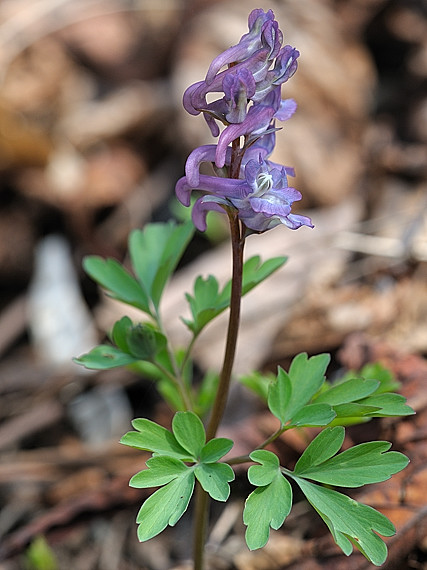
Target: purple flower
x,y
248,105
257,36
257,65
263,199
238,88
256,122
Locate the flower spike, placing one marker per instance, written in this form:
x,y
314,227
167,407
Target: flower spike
x,y
247,78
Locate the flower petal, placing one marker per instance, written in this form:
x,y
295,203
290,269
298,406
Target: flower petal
x,y
222,187
205,153
270,206
295,221
205,204
258,118
286,110
247,45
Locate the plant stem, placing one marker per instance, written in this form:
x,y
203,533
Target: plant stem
x,y
246,459
201,520
237,242
179,385
176,378
237,231
202,499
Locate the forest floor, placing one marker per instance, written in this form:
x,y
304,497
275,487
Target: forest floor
x,y
92,141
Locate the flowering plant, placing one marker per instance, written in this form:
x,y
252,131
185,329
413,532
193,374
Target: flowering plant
x,y
255,194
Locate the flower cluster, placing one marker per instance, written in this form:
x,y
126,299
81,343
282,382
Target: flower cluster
x,y
249,104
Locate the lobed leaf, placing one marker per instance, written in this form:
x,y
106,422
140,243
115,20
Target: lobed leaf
x,y
378,372
313,415
207,302
214,478
155,438
166,506
279,396
360,465
324,446
155,252
349,391
104,357
263,474
266,507
355,410
161,469
255,272
307,376
215,449
118,282
189,432
291,391
388,405
351,523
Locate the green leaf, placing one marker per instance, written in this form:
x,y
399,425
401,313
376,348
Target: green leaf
x,y
189,432
351,523
349,391
255,272
104,357
263,474
155,438
377,372
307,376
360,465
324,446
206,392
313,415
388,405
355,410
214,478
207,301
356,399
215,449
290,392
266,507
204,304
117,281
279,396
161,470
259,383
155,252
270,503
170,394
40,556
384,375
166,506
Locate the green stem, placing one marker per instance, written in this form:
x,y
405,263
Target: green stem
x,y
176,378
179,385
188,353
245,458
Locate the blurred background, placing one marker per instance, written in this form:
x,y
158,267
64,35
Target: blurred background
x,y
92,140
